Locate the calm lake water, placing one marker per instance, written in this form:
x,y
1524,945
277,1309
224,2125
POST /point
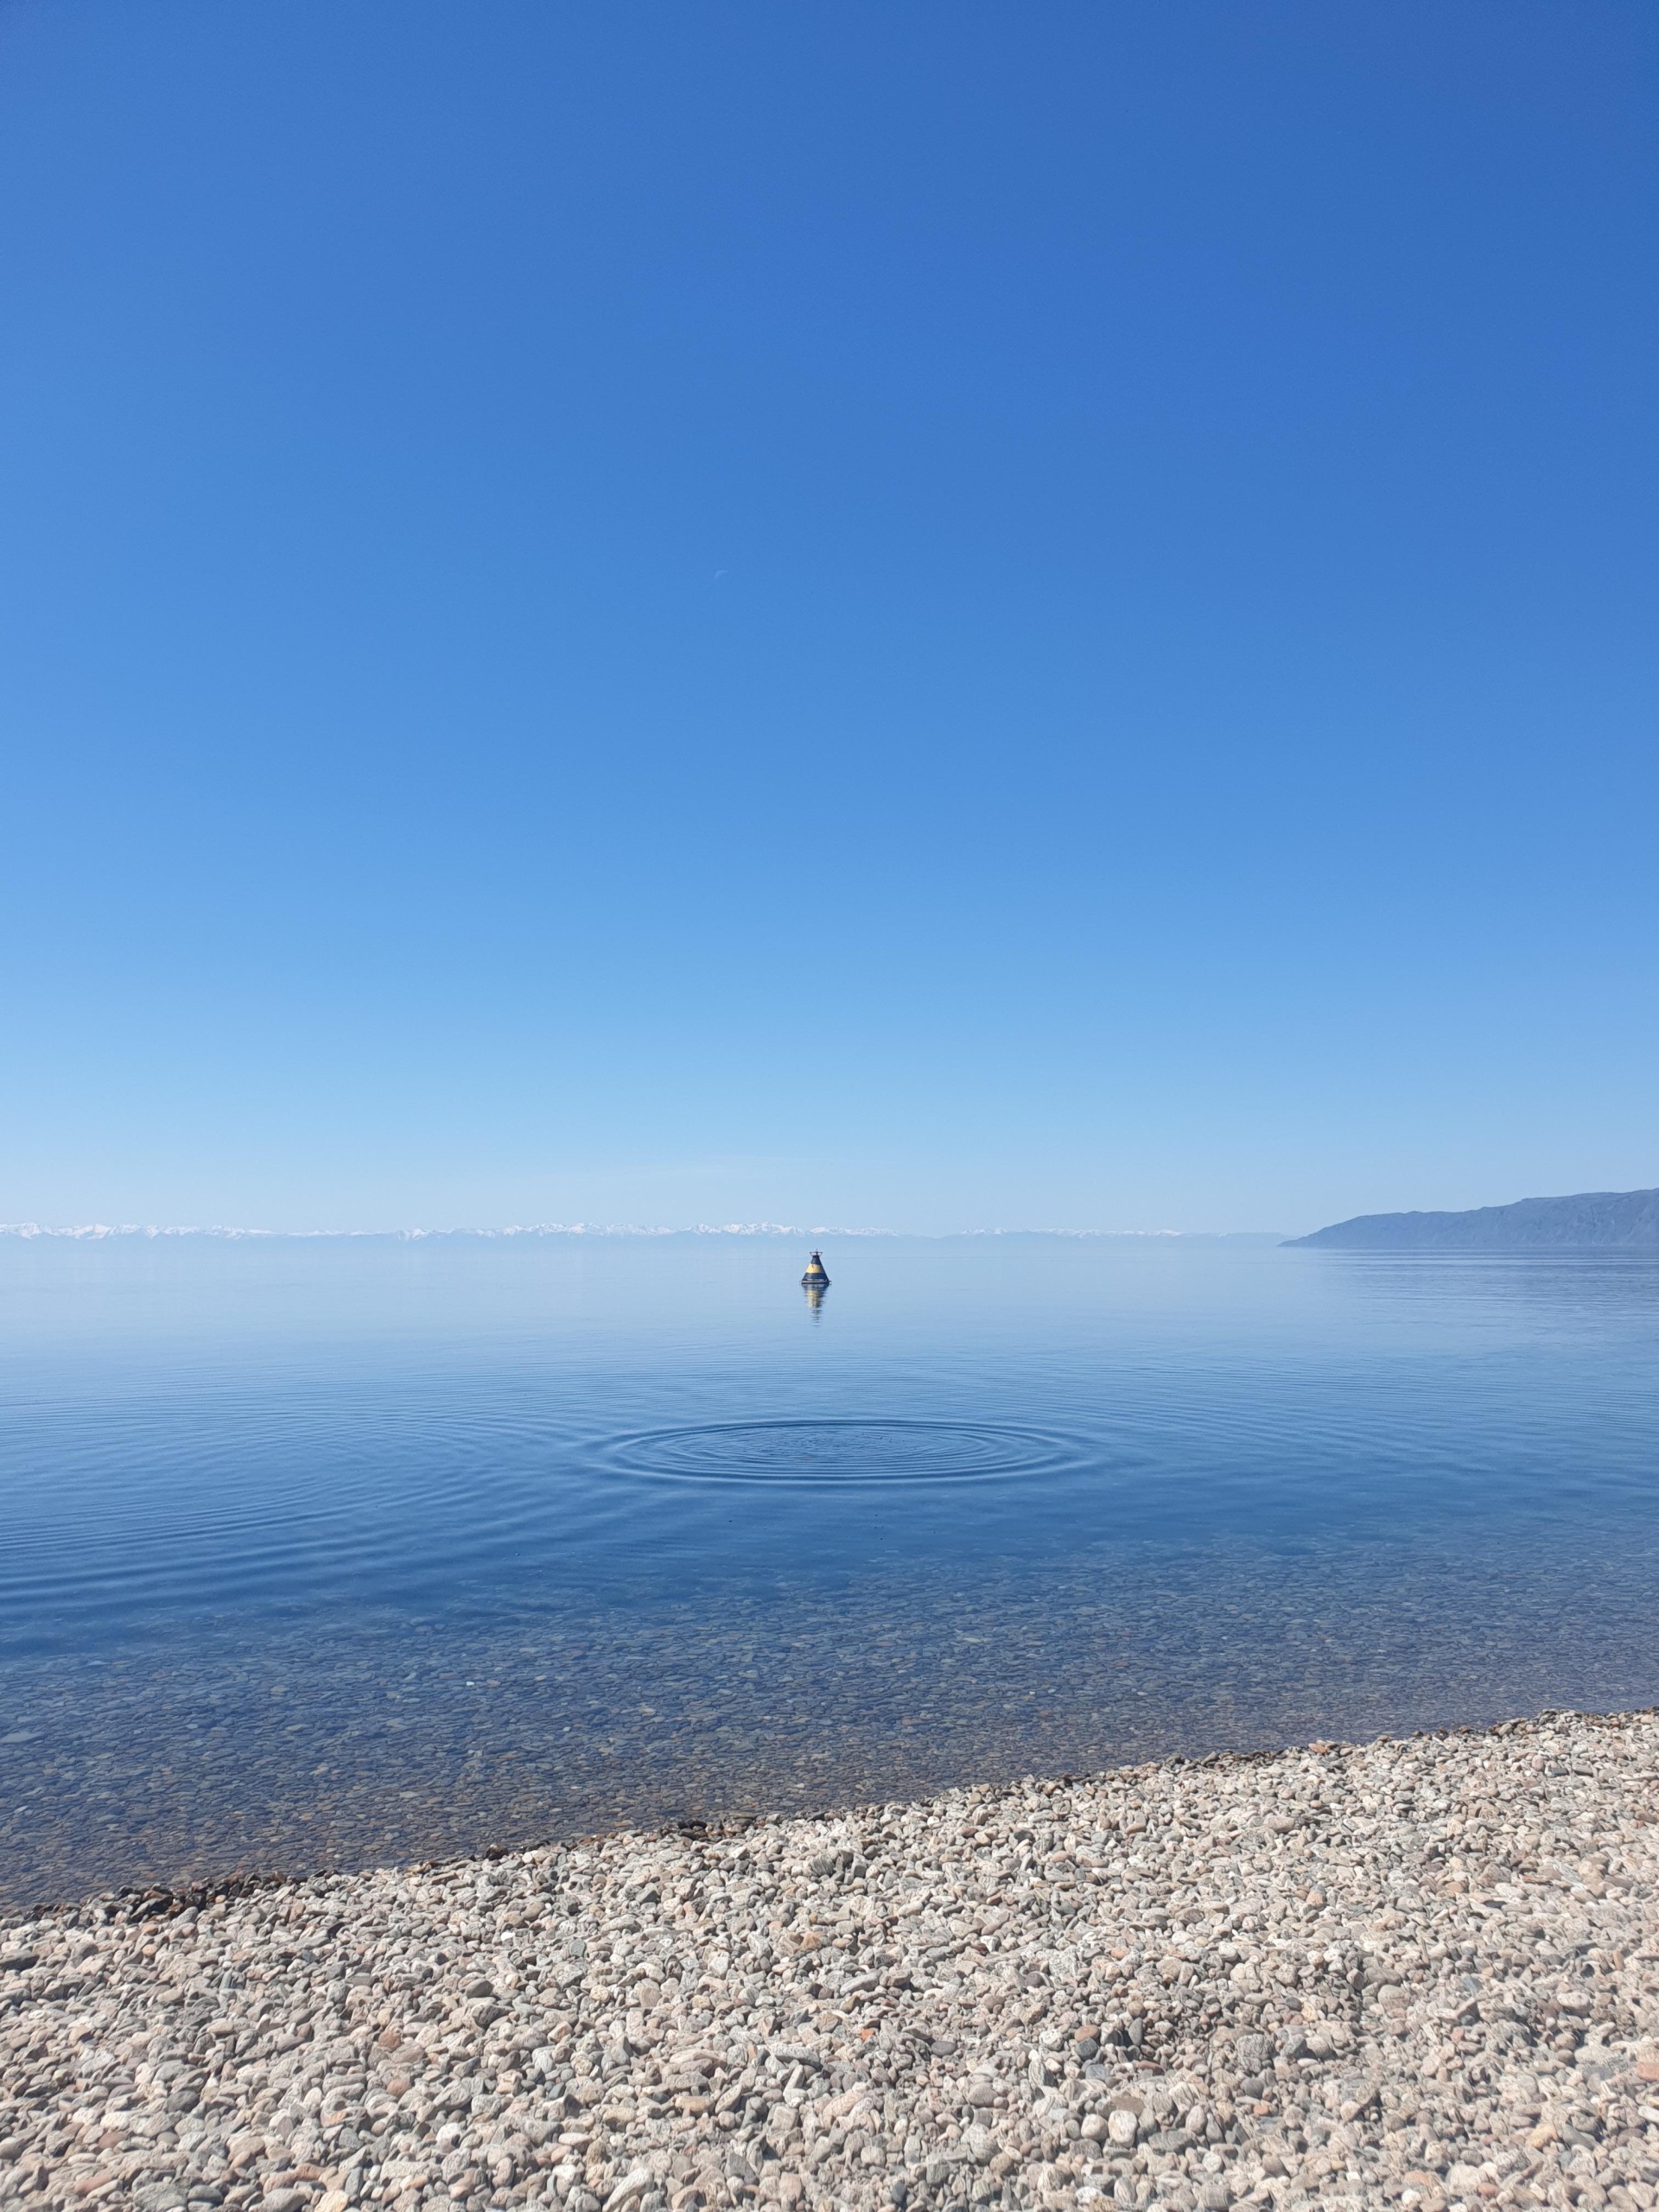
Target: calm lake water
x,y
321,1553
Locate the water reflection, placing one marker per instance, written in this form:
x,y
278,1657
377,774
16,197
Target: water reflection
x,y
378,1550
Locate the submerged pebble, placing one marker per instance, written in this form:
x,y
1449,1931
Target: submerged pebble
x,y
308,1745
1419,1972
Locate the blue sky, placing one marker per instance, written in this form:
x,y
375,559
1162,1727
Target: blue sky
x,y
941,616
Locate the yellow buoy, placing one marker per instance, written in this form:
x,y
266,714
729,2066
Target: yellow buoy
x,y
815,1278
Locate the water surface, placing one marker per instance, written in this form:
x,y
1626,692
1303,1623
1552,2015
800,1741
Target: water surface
x,y
324,1552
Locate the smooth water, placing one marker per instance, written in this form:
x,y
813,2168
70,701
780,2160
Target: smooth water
x,y
324,1552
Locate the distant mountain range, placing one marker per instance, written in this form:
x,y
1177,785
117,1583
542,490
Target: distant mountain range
x,y
1593,1217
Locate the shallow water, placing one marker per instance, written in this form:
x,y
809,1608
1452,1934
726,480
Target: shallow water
x,y
328,1552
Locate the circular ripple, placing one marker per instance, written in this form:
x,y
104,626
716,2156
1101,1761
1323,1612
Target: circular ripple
x,y
820,1454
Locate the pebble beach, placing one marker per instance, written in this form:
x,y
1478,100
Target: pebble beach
x,y
1419,1972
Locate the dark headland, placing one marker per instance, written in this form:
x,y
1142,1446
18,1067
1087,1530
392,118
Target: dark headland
x,y
1605,1218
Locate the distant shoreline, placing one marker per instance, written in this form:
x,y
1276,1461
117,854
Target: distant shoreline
x,y
1592,1220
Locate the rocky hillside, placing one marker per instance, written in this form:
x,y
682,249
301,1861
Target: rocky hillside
x,y
1606,1218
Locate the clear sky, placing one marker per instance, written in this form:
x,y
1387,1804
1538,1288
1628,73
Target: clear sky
x,y
936,615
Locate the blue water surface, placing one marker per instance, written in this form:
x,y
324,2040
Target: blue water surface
x,y
330,1551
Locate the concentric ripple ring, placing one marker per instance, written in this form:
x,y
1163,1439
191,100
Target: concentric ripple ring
x,y
820,1453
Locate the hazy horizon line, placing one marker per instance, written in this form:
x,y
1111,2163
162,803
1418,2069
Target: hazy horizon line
x,y
97,1232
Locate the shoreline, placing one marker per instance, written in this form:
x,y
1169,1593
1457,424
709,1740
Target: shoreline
x,y
1423,1970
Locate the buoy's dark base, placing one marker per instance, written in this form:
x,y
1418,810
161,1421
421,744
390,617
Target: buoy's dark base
x,y
820,1282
